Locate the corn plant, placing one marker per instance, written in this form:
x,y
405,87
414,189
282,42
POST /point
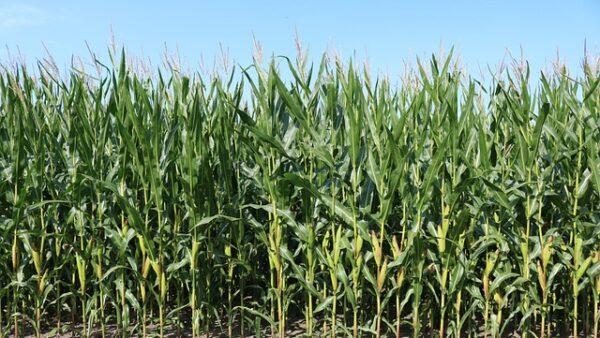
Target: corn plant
x,y
288,196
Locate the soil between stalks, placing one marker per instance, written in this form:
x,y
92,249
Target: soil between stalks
x,y
171,332
295,329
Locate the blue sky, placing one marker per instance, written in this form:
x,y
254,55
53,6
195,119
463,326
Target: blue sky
x,y
387,32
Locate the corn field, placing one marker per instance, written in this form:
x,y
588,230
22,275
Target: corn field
x,y
325,201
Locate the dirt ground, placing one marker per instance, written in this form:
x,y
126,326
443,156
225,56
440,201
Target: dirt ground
x,y
294,329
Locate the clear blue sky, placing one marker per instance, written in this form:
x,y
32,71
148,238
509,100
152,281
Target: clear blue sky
x,y
387,31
